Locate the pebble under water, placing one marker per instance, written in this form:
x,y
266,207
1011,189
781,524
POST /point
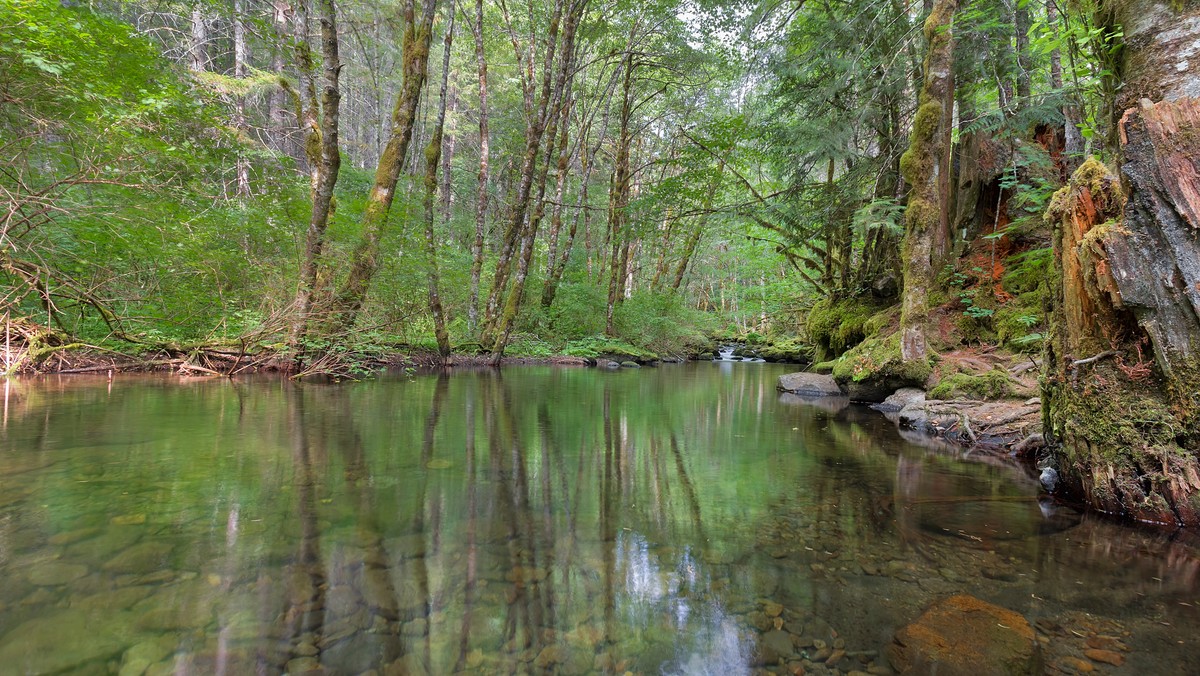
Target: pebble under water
x,y
686,519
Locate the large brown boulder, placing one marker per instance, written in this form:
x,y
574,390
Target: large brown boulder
x,y
964,636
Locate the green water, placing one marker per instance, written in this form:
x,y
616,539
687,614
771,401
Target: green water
x,y
533,520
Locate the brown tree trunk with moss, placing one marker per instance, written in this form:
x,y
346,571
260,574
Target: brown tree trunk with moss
x,y
618,200
433,157
482,194
325,159
1123,386
924,167
364,261
557,114
537,118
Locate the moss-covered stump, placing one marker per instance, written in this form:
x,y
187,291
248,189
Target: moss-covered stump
x,y
1119,447
874,369
1122,388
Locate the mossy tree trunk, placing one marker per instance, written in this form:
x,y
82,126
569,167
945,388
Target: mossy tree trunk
x,y
925,168
418,33
324,157
537,119
1123,385
618,196
433,157
481,199
558,113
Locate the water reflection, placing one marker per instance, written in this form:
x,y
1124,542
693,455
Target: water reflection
x,y
681,520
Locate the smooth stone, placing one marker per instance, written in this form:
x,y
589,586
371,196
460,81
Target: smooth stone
x,y
63,641
144,557
179,606
116,599
965,636
72,536
141,656
55,573
549,656
1076,664
1106,656
302,664
774,646
809,385
901,399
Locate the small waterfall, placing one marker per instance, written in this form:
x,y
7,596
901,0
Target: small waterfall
x,y
725,353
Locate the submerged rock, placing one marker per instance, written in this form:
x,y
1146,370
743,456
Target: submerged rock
x,y
963,635
809,384
901,399
54,573
63,641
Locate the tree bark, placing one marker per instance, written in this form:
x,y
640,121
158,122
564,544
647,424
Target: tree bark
x,y
537,120
1072,138
925,218
241,57
481,203
326,165
418,33
618,200
1123,391
574,12
433,156
198,41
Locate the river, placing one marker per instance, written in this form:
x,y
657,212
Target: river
x,y
531,520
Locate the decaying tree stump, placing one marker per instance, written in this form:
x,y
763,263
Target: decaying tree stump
x,y
1124,387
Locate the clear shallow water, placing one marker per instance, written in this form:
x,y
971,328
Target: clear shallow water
x,y
530,521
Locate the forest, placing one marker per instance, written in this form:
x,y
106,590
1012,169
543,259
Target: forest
x,y
942,195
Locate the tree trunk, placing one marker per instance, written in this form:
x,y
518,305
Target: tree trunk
x,y
433,156
482,195
1123,392
565,73
1021,24
618,200
588,160
535,129
280,124
241,57
923,167
326,166
1073,139
418,33
198,42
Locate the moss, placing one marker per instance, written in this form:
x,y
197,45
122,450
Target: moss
x,y
874,368
836,326
994,384
824,366
791,350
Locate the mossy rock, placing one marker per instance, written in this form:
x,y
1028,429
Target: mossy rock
x,y
995,384
824,366
788,351
874,369
836,326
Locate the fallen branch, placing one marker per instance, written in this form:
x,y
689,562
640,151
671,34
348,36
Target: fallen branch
x,y
1096,358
